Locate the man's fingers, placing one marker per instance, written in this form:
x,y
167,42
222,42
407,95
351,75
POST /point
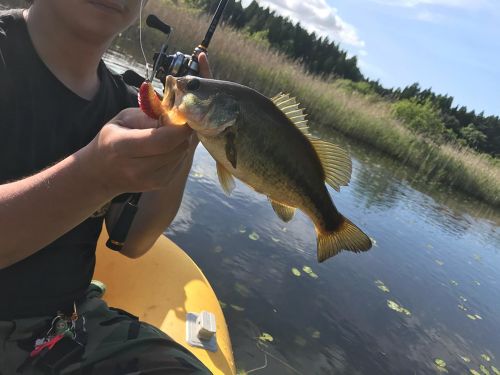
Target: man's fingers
x,y
134,118
148,142
205,71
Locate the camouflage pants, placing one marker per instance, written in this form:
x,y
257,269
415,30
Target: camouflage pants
x,y
117,344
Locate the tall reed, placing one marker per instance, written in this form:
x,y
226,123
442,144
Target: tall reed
x,y
331,108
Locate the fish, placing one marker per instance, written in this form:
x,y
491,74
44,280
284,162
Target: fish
x,y
265,143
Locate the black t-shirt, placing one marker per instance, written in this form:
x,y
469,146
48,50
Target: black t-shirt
x,y
42,122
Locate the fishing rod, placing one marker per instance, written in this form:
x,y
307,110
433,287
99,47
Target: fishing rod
x,y
177,64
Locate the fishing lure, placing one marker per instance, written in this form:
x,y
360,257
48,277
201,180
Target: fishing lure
x,y
157,108
149,101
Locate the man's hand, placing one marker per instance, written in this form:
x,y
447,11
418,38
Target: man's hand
x,y
131,154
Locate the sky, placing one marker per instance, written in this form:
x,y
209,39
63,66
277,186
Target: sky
x,y
451,46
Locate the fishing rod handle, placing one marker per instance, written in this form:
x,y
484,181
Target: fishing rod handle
x,y
122,226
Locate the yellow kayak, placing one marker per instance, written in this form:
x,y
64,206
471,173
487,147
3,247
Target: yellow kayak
x,y
162,288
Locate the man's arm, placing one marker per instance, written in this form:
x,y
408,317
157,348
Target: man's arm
x,y
128,154
36,210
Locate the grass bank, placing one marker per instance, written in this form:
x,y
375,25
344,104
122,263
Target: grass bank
x,y
330,105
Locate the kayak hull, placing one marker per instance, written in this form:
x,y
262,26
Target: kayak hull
x,y
161,287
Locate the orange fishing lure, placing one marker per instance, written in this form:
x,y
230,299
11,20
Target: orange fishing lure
x,y
149,101
155,107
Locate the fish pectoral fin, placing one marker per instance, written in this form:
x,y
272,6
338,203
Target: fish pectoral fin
x,y
335,161
347,236
230,148
283,211
226,179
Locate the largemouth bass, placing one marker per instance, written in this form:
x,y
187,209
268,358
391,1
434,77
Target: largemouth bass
x,y
265,142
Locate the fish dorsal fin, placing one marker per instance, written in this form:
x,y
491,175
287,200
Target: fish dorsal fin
x,y
225,178
291,108
283,211
336,163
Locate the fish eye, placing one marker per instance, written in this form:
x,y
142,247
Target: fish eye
x,y
193,84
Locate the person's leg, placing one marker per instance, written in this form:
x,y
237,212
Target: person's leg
x,y
17,340
117,344
120,344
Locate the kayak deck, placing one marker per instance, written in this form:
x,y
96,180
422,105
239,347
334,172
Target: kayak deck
x,y
161,287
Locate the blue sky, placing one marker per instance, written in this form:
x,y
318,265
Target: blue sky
x,y
452,46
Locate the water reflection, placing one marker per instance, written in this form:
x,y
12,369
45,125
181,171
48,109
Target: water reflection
x,y
436,253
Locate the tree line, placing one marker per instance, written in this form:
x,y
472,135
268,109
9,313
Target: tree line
x,y
324,57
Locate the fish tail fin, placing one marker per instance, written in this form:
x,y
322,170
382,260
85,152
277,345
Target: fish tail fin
x,y
346,236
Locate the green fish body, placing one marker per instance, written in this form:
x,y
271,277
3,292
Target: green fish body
x,y
266,144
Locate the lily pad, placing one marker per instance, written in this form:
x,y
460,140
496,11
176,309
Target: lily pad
x,y
275,239
495,370
474,372
471,317
486,357
462,307
242,229
439,262
380,284
439,362
253,236
307,269
266,337
477,283
295,271
316,335
477,257
463,299
242,289
237,308
453,282
484,370
300,341
313,275
440,365
478,316
465,359
396,307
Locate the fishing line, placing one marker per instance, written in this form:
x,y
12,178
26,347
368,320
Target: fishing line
x,y
261,367
266,354
140,39
259,346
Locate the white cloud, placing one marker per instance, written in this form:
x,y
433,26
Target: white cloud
x,y
315,16
427,16
446,3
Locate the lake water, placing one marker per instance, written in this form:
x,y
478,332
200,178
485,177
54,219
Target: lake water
x,y
428,290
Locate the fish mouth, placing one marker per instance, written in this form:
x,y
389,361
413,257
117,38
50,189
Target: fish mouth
x,y
172,101
169,94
